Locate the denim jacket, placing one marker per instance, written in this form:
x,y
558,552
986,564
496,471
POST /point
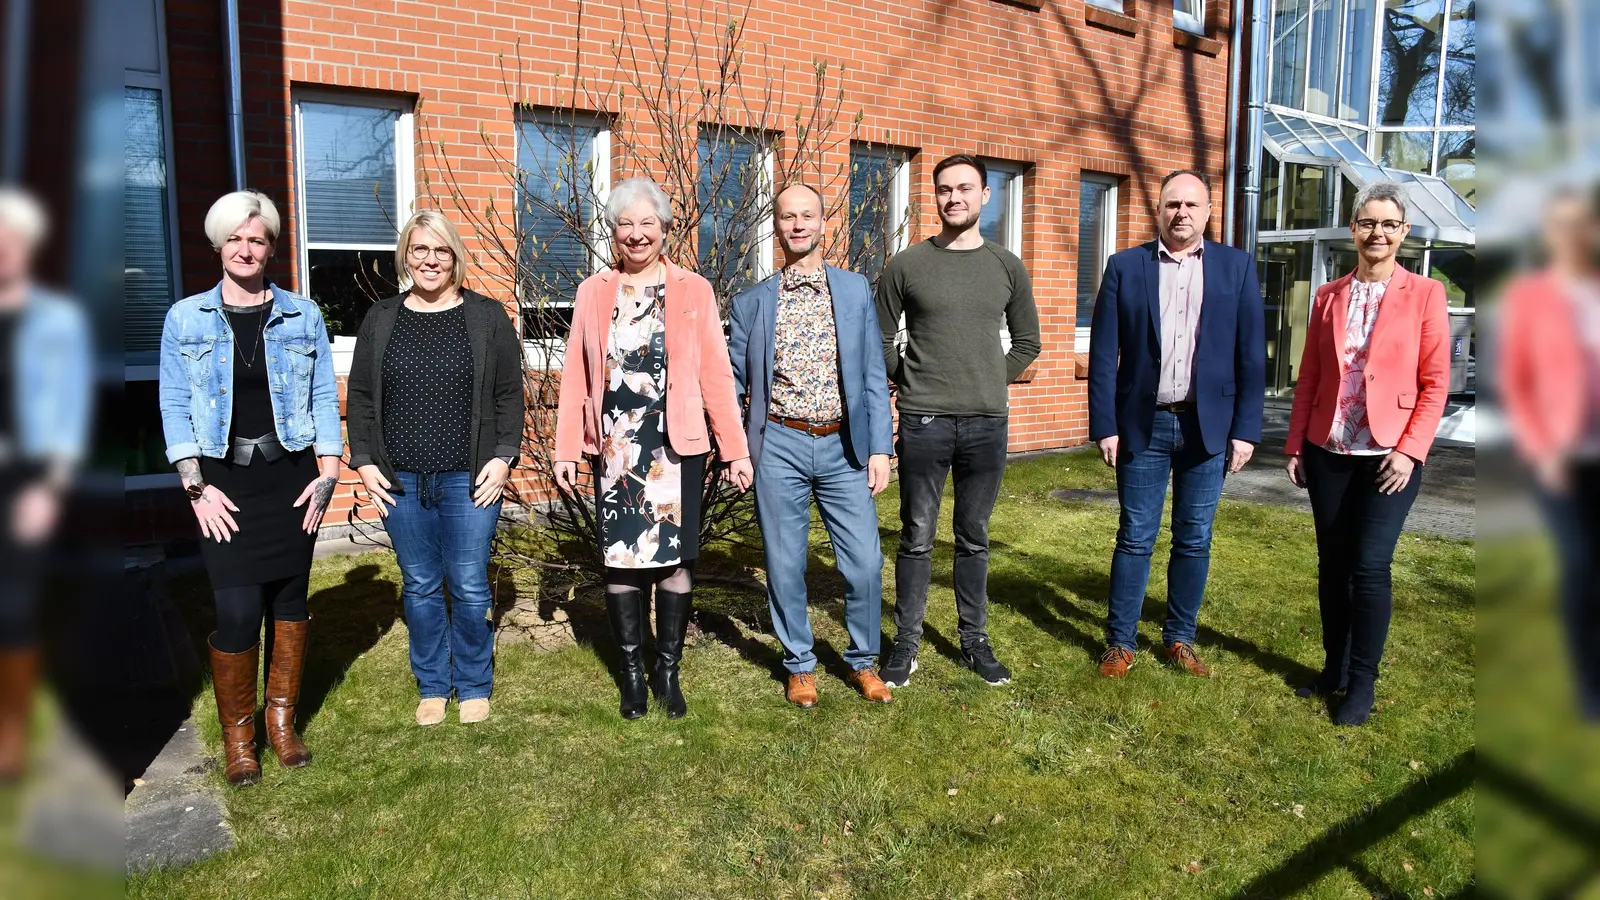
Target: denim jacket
x,y
197,377
54,365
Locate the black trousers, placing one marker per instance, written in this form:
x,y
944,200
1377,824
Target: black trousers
x,y
1574,519
974,447
240,610
1357,530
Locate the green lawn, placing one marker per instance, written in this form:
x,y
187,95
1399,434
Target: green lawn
x,y
1059,785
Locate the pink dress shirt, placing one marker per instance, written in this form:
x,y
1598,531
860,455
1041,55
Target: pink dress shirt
x,y
1183,287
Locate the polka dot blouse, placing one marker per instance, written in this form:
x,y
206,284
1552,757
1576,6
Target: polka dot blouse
x,y
427,392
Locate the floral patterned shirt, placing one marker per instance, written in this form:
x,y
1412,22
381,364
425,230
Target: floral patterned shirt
x,y
1351,433
805,351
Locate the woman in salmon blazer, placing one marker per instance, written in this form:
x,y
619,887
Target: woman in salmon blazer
x,y
1373,383
646,365
1549,360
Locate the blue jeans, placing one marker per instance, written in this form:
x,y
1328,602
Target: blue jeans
x,y
440,538
793,467
1176,452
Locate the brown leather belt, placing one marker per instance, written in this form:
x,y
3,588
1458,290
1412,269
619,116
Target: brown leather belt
x,y
815,429
1182,407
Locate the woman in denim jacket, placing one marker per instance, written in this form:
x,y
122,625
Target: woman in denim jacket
x,y
251,415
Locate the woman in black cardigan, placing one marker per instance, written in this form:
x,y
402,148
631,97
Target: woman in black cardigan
x,y
435,413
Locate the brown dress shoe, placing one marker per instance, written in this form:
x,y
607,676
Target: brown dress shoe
x,y
1181,655
870,685
1115,662
284,668
802,690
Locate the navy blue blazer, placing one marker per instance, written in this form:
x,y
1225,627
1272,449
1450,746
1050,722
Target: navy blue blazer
x,y
1230,360
868,428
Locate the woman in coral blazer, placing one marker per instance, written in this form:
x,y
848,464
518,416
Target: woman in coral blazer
x,y
1549,360
1373,382
646,365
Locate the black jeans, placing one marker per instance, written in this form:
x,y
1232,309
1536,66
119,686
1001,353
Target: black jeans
x,y
1357,530
930,447
1574,520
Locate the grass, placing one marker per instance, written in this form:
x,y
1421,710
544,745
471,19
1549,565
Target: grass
x,y
1059,785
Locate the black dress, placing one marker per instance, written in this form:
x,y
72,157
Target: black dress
x,y
270,543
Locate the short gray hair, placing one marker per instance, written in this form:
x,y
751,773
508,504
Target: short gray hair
x,y
632,190
23,213
232,210
1392,191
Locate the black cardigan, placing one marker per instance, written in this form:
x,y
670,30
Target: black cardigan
x,y
497,395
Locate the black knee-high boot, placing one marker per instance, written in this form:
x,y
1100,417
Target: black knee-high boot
x,y
672,622
625,610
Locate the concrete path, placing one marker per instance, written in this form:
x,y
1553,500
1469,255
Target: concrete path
x,y
174,816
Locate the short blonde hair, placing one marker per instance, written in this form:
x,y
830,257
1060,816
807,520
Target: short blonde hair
x,y
23,213
434,221
232,210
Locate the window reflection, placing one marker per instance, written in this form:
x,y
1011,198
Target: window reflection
x,y
1358,60
1408,150
1458,153
1409,71
1460,76
1289,34
1323,73
1310,197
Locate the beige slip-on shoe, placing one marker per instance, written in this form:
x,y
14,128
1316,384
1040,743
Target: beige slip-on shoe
x,y
431,711
475,710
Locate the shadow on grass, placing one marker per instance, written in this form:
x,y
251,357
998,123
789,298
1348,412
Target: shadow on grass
x,y
347,620
1339,846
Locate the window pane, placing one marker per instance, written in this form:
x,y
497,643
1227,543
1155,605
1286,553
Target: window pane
x,y
557,208
731,186
1358,61
1323,74
345,284
1189,15
349,159
147,232
1094,214
1271,184
1458,162
1310,200
144,442
1460,75
1113,5
993,222
1289,27
873,220
1408,77
1408,150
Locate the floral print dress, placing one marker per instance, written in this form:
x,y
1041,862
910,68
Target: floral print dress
x,y
647,497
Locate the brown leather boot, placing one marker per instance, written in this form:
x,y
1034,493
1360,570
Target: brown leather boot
x,y
283,691
233,677
19,669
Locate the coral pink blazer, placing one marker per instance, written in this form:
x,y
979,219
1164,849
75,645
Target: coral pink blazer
x,y
699,373
1543,376
1408,365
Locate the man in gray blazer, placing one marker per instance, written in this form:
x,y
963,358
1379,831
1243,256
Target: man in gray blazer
x,y
808,362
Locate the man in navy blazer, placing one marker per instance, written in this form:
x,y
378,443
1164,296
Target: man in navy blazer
x,y
1177,376
807,357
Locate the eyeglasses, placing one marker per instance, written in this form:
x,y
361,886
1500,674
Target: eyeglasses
x,y
1389,226
421,252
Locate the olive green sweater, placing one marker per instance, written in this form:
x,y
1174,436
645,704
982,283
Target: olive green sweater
x,y
955,302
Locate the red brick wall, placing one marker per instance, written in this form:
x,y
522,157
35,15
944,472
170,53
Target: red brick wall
x,y
1045,87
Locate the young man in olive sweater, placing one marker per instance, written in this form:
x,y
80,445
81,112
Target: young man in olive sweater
x,y
956,292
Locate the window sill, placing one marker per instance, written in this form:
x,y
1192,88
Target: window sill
x,y
1111,21
1195,42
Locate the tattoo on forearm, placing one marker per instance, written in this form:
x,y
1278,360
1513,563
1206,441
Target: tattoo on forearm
x,y
189,471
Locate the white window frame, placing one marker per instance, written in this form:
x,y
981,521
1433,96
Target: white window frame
x,y
1112,5
1016,175
766,158
899,224
550,353
161,82
404,177
1190,16
1108,241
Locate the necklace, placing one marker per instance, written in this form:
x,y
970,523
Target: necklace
x,y
255,348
